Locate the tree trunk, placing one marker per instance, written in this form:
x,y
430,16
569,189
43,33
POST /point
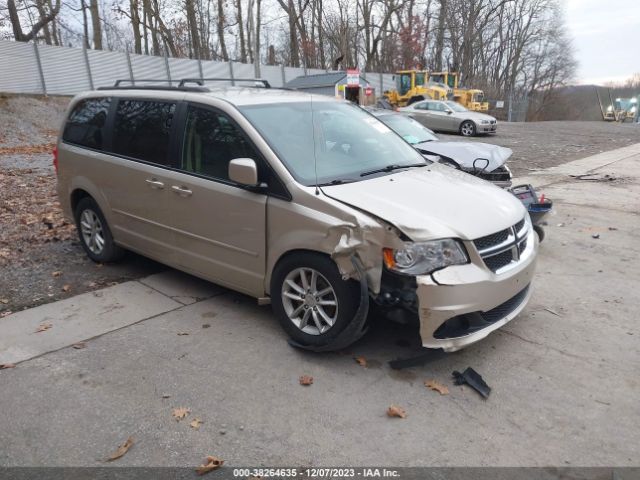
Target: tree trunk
x,y
223,44
192,23
96,25
440,35
14,18
243,47
135,24
85,24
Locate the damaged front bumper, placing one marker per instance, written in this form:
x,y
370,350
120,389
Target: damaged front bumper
x,y
460,305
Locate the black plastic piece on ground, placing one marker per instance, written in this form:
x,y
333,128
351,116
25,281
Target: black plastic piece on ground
x,y
474,380
428,355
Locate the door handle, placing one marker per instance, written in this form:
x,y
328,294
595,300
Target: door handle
x,y
155,183
182,191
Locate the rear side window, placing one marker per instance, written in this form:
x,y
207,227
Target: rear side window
x,y
142,130
86,125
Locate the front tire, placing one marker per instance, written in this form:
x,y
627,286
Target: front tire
x,y
311,300
468,128
94,232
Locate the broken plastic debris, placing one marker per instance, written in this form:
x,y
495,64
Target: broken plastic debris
x,y
474,380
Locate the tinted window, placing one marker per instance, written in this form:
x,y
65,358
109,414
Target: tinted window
x,y
142,130
211,141
86,124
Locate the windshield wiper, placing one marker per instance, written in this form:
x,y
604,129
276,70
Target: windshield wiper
x,y
391,168
337,181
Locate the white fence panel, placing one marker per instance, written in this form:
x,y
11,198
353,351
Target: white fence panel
x,y
146,67
183,68
19,68
243,70
387,82
211,69
107,67
273,74
290,73
65,69
314,71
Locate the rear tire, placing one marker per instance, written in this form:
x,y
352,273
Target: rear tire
x,y
311,300
94,232
467,128
540,232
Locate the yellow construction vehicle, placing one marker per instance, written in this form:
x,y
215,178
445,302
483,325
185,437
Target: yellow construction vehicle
x,y
413,86
471,98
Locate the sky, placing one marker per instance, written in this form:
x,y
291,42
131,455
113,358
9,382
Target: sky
x,y
605,37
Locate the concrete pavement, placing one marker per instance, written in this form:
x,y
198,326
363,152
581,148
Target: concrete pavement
x,y
564,373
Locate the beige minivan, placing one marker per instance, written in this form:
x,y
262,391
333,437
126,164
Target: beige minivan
x,y
303,201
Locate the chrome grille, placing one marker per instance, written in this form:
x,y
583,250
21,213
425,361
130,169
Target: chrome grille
x,y
503,248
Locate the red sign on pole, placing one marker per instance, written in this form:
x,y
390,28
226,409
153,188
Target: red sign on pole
x,y
368,91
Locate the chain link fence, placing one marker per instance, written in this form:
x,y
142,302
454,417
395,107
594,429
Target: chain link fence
x,y
49,70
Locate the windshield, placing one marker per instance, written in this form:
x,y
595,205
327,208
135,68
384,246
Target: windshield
x,y
455,106
348,141
412,131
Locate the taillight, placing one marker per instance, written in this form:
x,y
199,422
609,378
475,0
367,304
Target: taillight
x,y
55,159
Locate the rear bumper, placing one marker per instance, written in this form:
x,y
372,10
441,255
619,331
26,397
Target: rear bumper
x,y
460,305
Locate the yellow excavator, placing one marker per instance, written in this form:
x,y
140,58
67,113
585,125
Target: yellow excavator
x,y
413,86
471,98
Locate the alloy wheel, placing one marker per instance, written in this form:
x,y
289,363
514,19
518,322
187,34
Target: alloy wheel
x,y
309,301
92,232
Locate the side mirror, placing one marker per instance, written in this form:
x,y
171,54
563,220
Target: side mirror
x,y
449,112
243,171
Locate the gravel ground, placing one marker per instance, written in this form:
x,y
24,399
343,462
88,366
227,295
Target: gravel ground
x,y
538,145
41,259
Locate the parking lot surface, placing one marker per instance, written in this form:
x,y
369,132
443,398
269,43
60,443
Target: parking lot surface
x,y
563,374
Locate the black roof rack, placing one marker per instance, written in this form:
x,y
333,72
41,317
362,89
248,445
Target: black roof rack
x,y
258,82
200,81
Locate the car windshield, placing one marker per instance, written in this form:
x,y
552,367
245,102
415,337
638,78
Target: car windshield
x,y
348,141
412,131
456,107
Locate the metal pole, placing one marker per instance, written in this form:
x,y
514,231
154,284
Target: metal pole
x,y
381,83
233,83
166,64
40,71
509,110
133,82
284,76
86,62
200,69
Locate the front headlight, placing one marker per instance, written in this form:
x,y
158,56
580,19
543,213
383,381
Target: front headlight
x,y
421,258
485,122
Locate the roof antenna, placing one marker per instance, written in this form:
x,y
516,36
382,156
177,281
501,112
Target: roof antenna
x,y
313,136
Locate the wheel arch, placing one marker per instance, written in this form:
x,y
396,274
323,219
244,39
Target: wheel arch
x,y
287,254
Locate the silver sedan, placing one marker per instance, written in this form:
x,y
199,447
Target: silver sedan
x,y
448,116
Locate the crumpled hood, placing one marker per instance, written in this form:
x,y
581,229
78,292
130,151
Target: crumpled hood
x,y
465,153
433,202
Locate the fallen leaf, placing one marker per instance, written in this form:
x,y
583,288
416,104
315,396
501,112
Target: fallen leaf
x,y
166,395
92,284
6,313
56,274
43,327
396,411
306,380
79,345
122,449
4,366
211,463
66,288
438,387
361,361
195,423
182,333
180,412
4,300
